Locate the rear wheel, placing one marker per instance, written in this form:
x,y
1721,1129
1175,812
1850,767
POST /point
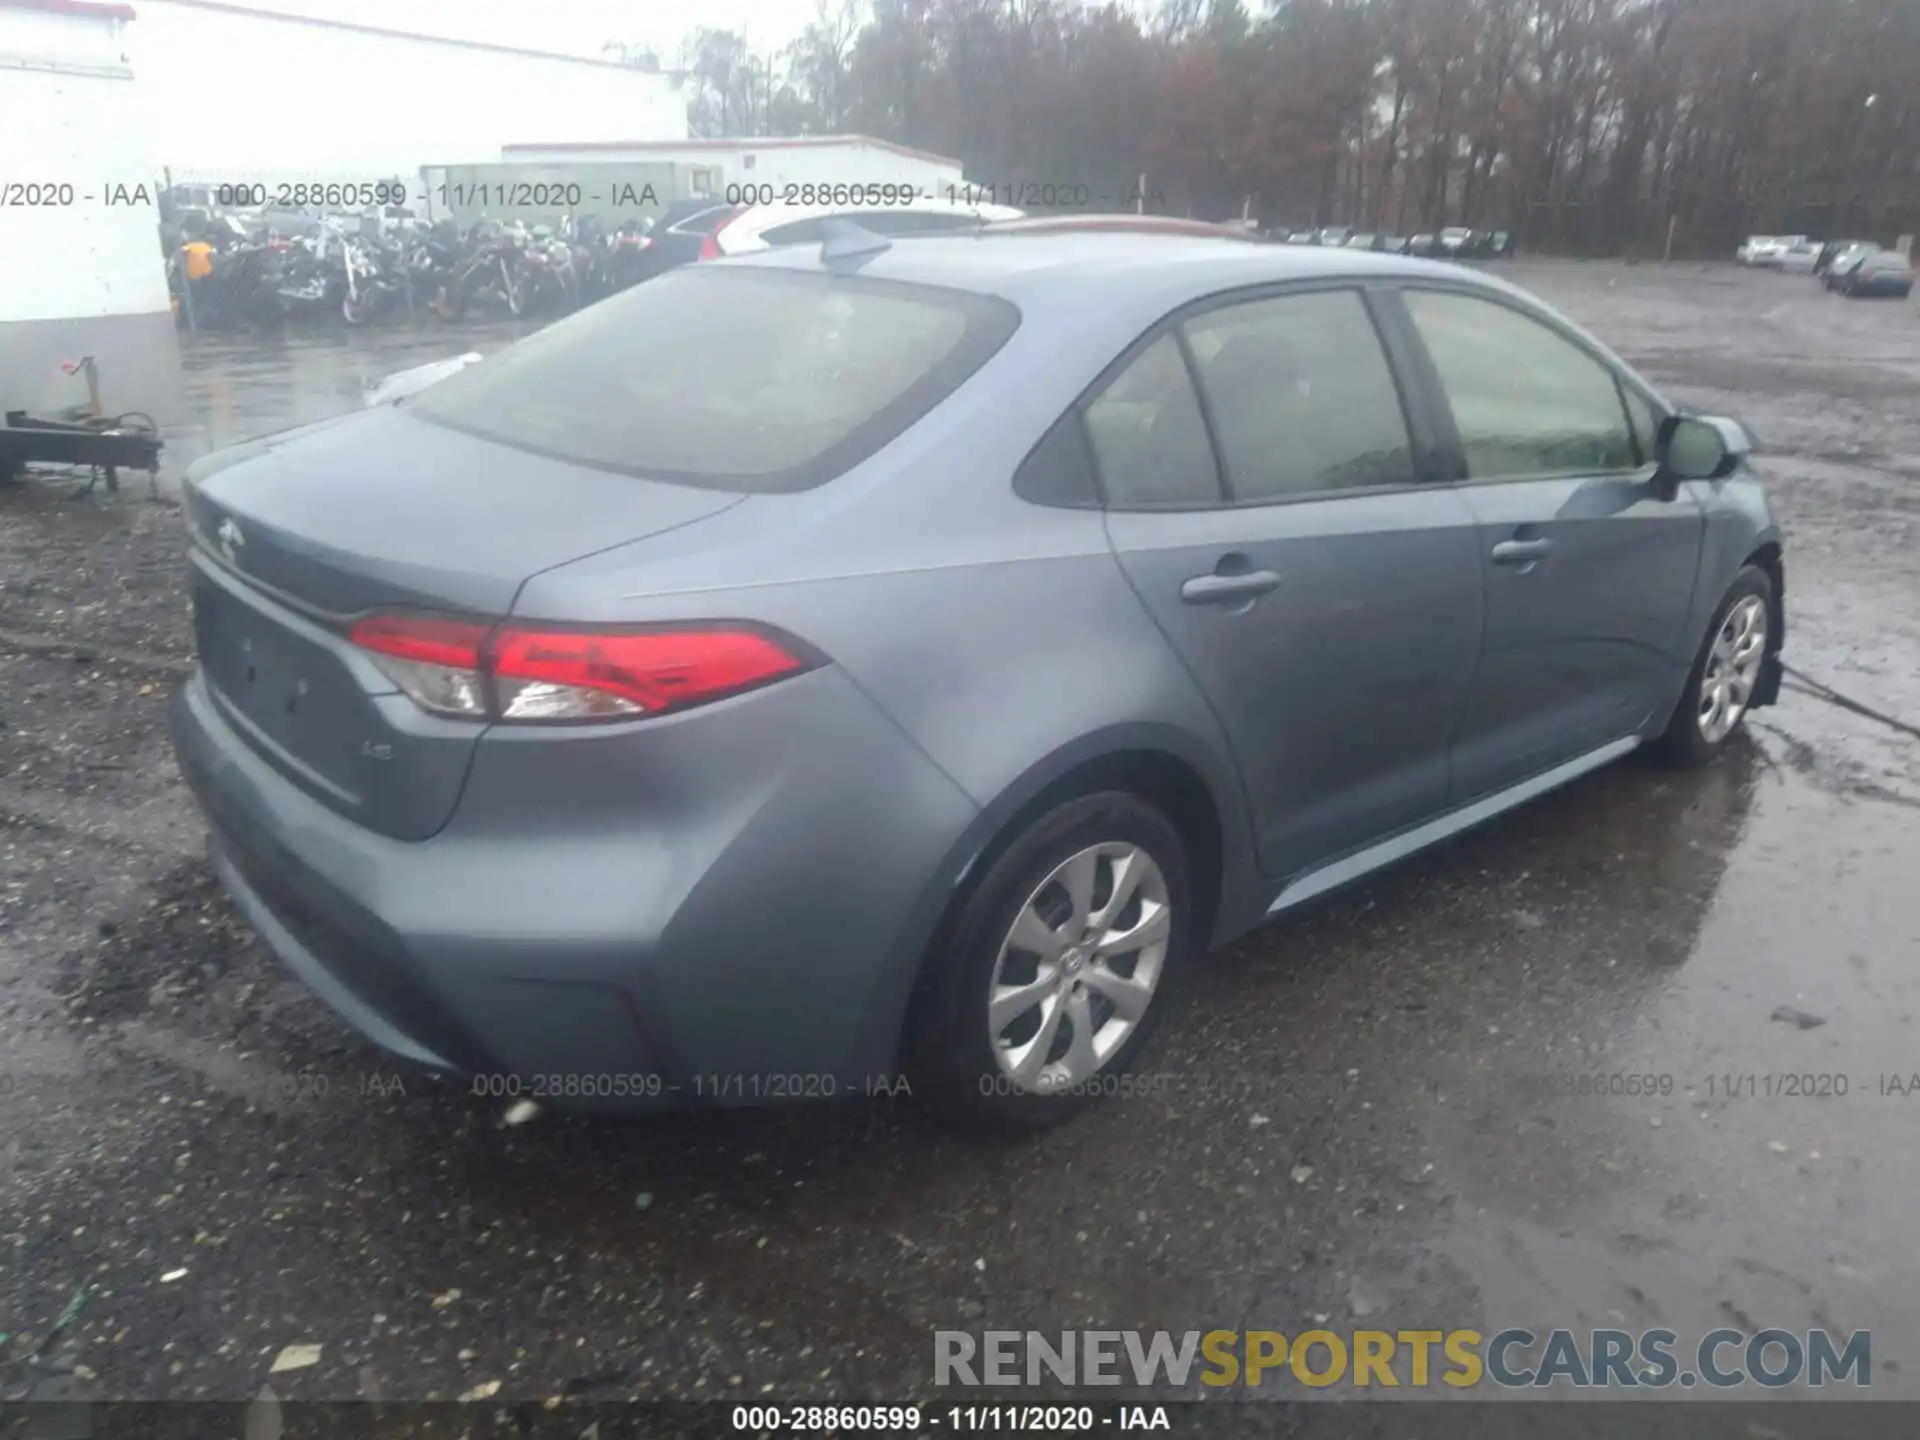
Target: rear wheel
x,y
1721,684
1058,968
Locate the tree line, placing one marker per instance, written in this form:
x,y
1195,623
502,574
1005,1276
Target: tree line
x,y
1587,126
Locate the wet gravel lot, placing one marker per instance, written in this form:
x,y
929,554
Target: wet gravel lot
x,y
1342,1128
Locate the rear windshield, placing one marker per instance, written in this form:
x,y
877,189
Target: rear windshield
x,y
729,379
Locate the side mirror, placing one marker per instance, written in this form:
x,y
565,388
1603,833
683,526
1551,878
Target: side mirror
x,y
1699,447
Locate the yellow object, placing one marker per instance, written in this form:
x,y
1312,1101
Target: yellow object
x,y
199,259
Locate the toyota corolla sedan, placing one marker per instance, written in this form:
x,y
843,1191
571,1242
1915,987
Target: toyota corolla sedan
x,y
919,669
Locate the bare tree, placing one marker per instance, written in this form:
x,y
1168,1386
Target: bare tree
x,y
1589,125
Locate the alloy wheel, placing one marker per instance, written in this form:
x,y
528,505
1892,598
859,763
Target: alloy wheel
x,y
1733,667
1079,966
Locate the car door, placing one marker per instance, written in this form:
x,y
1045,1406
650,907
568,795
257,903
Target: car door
x,y
1265,498
1589,570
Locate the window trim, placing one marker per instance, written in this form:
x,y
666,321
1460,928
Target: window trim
x,y
1113,372
1423,441
1450,450
1236,501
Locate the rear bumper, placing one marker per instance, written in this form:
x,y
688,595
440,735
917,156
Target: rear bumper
x,y
746,929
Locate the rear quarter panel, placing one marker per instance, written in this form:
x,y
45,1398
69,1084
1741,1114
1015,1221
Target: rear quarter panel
x,y
1001,636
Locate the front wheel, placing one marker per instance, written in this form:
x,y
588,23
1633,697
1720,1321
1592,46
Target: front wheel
x,y
1720,686
1057,969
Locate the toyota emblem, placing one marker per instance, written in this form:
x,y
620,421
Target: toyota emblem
x,y
230,540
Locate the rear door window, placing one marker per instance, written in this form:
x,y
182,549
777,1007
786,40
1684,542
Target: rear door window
x,y
1301,396
745,380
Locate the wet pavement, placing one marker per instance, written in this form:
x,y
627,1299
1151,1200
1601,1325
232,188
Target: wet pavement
x,y
1349,1126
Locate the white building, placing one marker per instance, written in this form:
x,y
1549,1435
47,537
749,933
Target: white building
x,y
241,95
85,275
764,166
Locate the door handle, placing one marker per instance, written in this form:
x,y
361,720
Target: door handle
x,y
1228,589
1521,552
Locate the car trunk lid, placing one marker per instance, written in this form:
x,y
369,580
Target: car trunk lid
x,y
382,512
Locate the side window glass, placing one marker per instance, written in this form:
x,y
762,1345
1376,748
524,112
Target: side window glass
x,y
1525,400
1645,420
1301,396
1148,437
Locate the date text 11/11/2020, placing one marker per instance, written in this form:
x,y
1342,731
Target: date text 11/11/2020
x,y
1782,1085
55,194
571,195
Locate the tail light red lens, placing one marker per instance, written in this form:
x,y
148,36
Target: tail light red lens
x,y
638,672
526,673
709,248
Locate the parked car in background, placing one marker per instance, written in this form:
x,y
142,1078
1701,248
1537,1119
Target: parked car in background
x,y
1846,262
761,227
1800,259
789,668
1456,242
1394,244
1360,240
1424,244
1883,274
1832,250
1502,244
1335,234
678,237
1303,237
1749,247
1767,254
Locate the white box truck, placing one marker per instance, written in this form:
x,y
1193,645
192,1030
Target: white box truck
x,y
79,239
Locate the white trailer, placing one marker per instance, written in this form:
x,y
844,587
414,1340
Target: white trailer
x,y
78,240
257,97
760,169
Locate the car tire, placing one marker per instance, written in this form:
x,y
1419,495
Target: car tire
x,y
1694,733
960,1061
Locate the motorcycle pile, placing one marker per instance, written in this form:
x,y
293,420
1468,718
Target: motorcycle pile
x,y
363,270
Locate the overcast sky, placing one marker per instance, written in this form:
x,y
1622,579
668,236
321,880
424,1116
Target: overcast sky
x,y
573,27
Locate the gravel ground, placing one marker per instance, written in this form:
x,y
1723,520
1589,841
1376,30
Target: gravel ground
x,y
1341,1132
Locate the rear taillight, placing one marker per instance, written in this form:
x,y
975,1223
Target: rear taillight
x,y
523,673
709,247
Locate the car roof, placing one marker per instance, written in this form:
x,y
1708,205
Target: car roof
x,y
756,218
1119,221
1134,277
